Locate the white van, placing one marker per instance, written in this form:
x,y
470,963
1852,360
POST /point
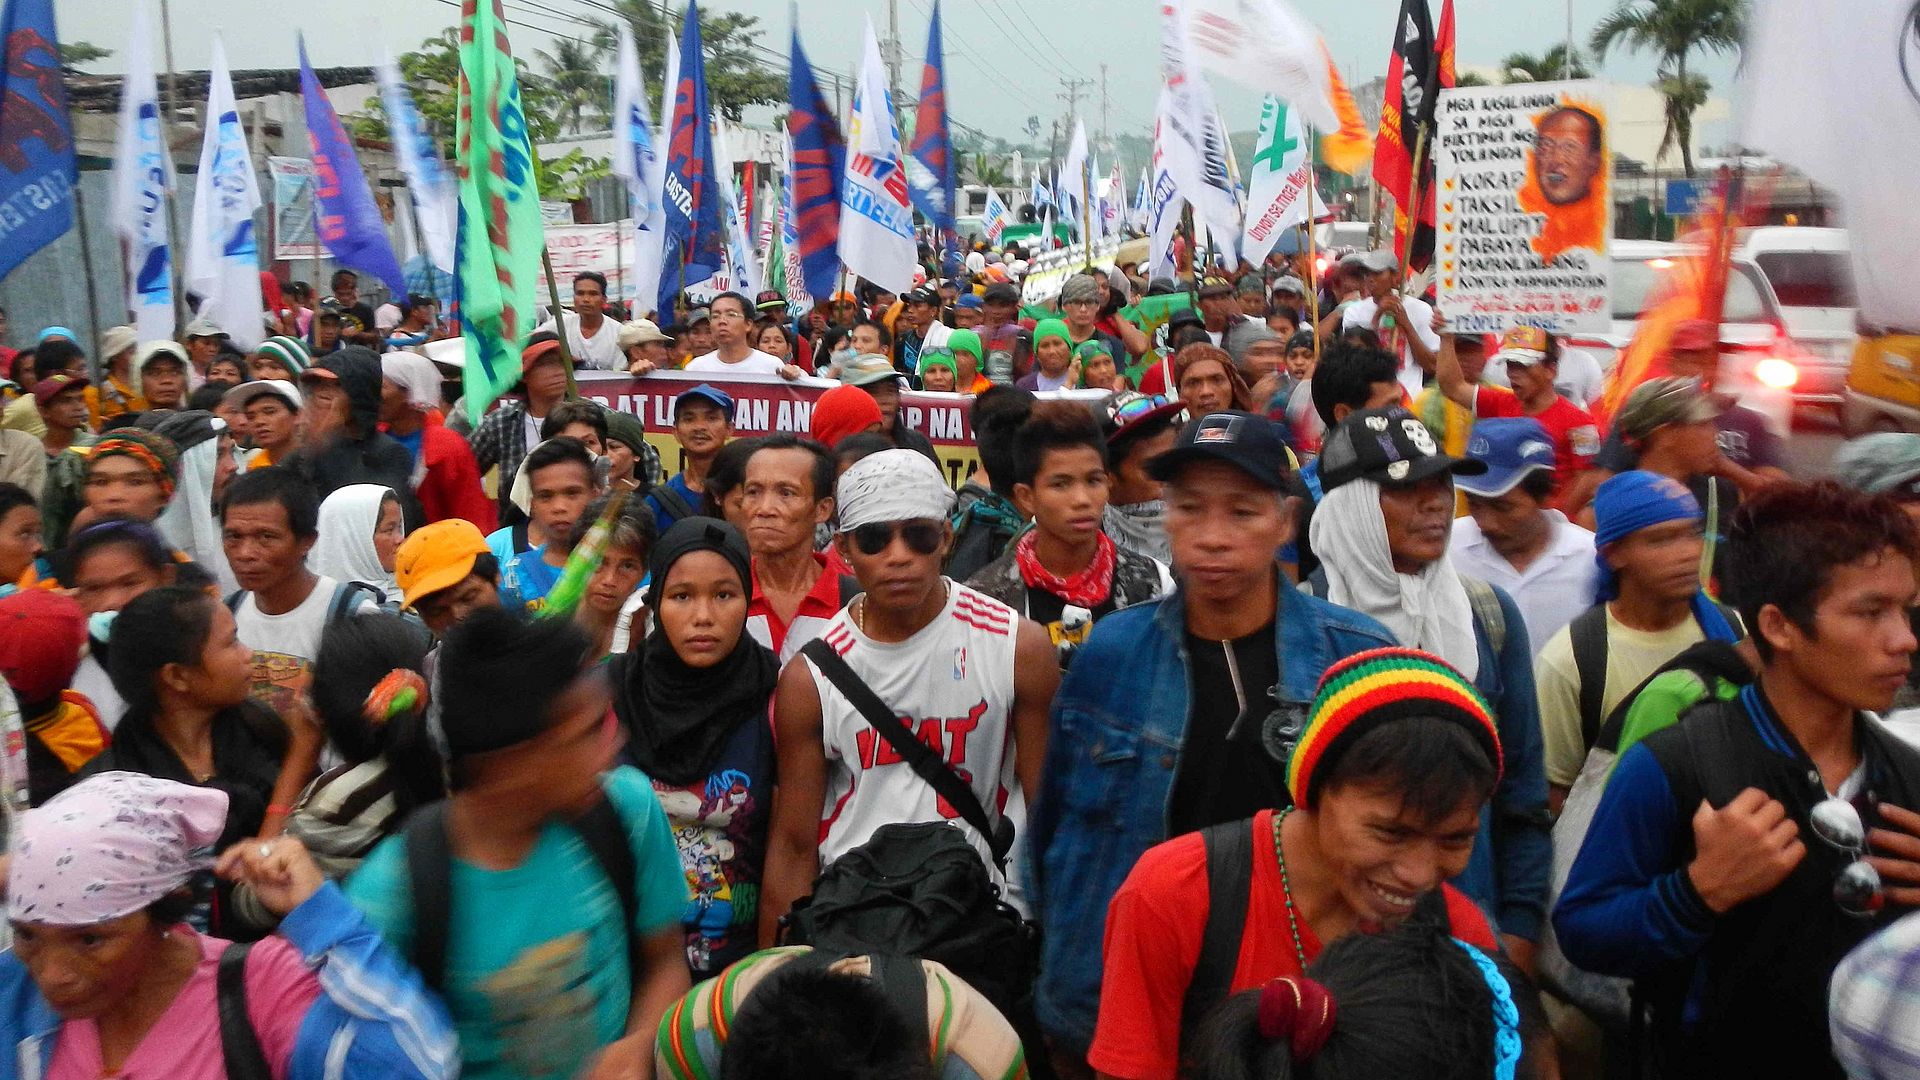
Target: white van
x,y
1811,272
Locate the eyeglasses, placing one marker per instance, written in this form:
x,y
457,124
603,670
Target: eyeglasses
x,y
1857,890
923,537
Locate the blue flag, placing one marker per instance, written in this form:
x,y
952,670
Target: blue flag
x,y
37,164
932,150
346,217
819,159
696,240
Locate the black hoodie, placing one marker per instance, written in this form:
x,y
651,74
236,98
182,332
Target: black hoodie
x,y
361,453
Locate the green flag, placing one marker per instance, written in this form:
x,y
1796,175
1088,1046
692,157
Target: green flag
x,y
501,233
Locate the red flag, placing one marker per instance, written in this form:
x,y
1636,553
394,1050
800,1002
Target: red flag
x,y
1414,77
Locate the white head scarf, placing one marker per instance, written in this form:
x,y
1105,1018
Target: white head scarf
x,y
188,522
109,846
1428,610
415,374
345,549
892,485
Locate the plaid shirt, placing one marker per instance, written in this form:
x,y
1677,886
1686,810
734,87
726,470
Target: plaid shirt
x,y
501,439
1874,1007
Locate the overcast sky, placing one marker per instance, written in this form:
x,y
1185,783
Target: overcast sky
x,y
1006,58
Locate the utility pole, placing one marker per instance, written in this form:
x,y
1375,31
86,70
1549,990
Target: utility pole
x,y
1071,94
1106,140
893,57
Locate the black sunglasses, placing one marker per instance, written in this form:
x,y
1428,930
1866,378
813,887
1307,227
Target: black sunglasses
x,y
924,537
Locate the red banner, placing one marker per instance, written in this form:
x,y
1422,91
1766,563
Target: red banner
x,y
767,403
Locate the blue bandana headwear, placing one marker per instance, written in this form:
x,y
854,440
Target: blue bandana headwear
x,y
1636,500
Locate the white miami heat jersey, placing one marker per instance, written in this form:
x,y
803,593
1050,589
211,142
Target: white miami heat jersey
x,y
952,684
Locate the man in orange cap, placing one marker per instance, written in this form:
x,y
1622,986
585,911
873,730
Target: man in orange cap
x,y
504,436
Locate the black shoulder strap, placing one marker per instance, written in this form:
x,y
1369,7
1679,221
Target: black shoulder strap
x,y
904,983
918,755
1589,639
606,837
1708,661
1229,887
239,1043
430,878
672,502
1712,758
234,600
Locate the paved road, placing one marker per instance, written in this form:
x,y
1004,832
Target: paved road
x,y
1816,437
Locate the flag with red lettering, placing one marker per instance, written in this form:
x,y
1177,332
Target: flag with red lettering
x,y
1422,63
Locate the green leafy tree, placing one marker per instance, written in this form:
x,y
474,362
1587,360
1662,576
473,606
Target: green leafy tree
x,y
1672,30
1545,67
75,53
576,83
1471,78
737,72
989,171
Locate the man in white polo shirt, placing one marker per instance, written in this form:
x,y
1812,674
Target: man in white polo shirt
x,y
1512,540
732,325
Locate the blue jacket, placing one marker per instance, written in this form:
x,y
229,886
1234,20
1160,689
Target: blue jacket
x,y
373,1011
1118,724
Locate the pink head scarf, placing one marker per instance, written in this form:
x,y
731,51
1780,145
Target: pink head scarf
x,y
110,846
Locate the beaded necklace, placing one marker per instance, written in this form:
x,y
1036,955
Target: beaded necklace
x,y
1286,890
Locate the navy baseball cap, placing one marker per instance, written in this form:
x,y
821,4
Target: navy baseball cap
x,y
1510,449
1244,440
710,393
969,302
1387,445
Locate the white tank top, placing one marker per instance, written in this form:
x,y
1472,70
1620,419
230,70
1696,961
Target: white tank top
x,y
952,684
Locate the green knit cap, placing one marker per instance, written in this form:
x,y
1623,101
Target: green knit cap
x,y
965,341
290,351
1047,328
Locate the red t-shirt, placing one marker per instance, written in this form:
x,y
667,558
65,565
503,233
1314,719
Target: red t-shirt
x,y
1154,926
1576,438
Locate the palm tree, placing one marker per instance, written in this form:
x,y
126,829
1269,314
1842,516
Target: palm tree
x,y
1549,65
989,171
1672,29
579,87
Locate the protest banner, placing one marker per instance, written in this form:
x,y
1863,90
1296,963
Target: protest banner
x,y
293,233
606,248
768,403
1524,207
1049,270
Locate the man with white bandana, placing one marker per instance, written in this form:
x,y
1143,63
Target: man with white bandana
x,y
958,667
1381,531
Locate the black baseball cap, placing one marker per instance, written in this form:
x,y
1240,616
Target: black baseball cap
x,y
1389,445
1244,440
1001,293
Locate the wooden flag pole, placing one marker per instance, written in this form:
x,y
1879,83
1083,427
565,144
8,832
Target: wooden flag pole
x,y
559,319
1313,260
1413,211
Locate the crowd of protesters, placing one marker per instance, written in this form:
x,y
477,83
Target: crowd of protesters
x,y
1293,686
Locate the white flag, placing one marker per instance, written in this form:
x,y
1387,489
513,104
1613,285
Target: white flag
x,y
223,256
742,268
1265,45
1164,202
876,220
636,149
1277,193
649,251
435,193
142,176
1072,183
792,273
1839,99
1191,136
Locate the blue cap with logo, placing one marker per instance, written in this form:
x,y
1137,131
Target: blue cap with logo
x,y
706,392
1251,443
1510,449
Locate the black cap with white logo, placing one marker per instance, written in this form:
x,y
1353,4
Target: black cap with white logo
x,y
1387,445
1248,442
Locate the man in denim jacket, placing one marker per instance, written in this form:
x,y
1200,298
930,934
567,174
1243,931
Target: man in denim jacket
x,y
1177,713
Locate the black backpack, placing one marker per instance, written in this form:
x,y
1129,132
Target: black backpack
x,y
918,890
239,1043
430,875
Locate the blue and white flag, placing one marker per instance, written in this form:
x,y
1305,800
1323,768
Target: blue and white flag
x,y
636,154
994,217
696,219
142,176
37,164
435,193
223,254
348,220
742,269
876,220
649,249
791,272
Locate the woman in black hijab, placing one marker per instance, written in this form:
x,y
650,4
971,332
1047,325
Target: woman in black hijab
x,y
694,697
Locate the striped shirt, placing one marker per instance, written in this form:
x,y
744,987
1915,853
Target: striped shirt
x,y
969,1038
1874,1007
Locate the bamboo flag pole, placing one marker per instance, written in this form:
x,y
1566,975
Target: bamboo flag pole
x,y
1313,259
1413,210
